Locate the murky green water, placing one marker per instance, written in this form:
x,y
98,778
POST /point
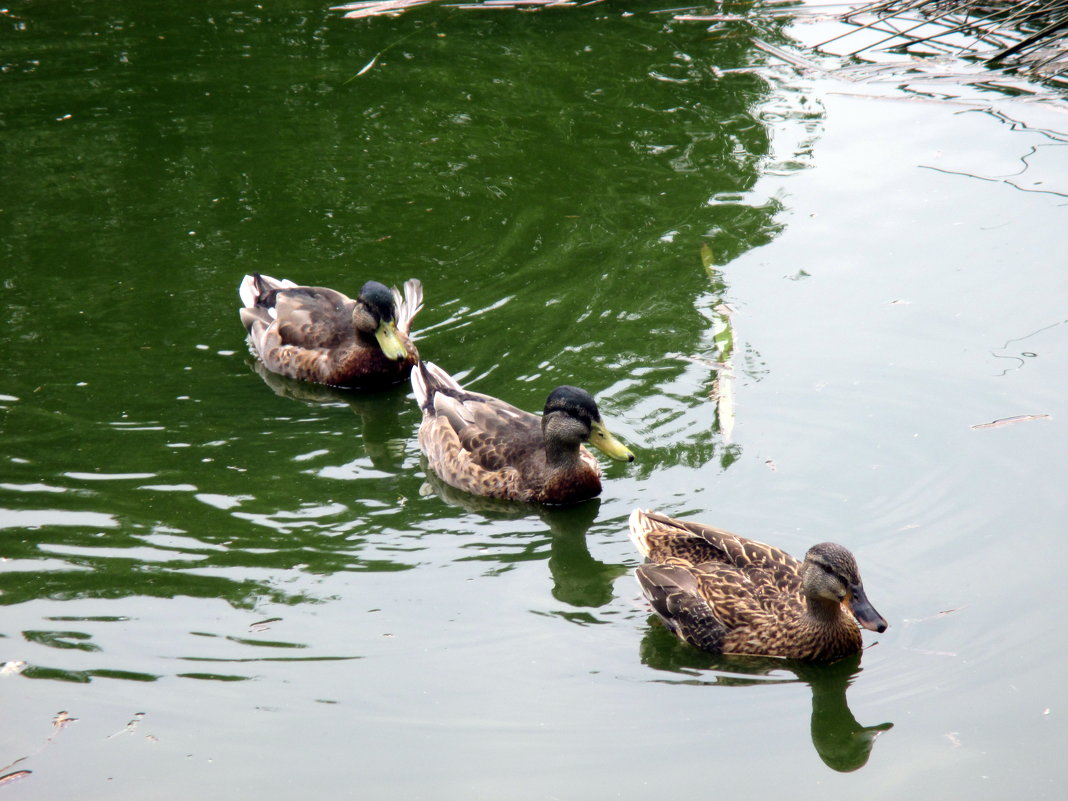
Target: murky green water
x,y
239,587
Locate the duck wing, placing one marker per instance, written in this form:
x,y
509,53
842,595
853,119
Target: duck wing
x,y
313,317
473,441
715,607
496,434
662,539
674,593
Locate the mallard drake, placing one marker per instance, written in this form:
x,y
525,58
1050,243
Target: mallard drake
x,y
729,594
485,446
312,333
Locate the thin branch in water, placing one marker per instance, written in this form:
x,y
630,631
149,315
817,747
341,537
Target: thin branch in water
x,y
993,180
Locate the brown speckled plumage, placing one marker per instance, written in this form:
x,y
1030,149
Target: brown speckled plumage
x,y
321,335
482,445
729,594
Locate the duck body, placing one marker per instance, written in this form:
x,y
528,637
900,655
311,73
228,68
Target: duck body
x,y
485,446
728,594
321,335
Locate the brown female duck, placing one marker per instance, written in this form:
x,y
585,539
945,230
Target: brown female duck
x,y
317,334
728,594
488,447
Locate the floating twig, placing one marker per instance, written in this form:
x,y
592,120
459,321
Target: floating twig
x,y
1006,421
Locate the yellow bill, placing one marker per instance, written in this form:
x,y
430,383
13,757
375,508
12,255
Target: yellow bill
x,y
601,438
389,340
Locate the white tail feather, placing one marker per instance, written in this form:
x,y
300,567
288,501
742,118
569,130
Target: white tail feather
x,y
249,289
409,305
639,525
436,375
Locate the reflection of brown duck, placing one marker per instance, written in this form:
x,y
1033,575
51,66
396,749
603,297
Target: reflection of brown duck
x,y
578,578
727,594
482,445
379,412
320,335
841,742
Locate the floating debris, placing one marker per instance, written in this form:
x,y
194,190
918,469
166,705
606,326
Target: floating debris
x,y
1005,421
1026,36
14,776
378,8
12,668
62,720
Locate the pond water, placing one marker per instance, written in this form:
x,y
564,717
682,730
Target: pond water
x,y
224,585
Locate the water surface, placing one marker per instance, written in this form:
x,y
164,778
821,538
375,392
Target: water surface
x,y
240,586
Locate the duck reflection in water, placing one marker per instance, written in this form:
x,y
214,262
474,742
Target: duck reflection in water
x,y
578,578
840,740
383,434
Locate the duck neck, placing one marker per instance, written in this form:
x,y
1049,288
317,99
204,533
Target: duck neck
x,y
561,455
562,436
825,614
834,628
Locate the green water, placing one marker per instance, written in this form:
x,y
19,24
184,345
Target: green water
x,y
243,587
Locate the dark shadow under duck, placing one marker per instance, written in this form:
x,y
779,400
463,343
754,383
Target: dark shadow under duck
x,y
484,446
321,335
728,594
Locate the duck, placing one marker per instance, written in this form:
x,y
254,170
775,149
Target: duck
x,y
316,334
727,594
485,446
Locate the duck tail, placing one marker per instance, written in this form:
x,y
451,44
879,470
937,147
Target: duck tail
x,y
255,288
427,379
409,305
640,528
248,290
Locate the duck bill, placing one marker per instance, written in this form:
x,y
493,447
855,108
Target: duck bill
x,y
389,340
864,612
601,438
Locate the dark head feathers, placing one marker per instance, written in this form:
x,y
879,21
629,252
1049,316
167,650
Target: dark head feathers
x,y
378,300
574,402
